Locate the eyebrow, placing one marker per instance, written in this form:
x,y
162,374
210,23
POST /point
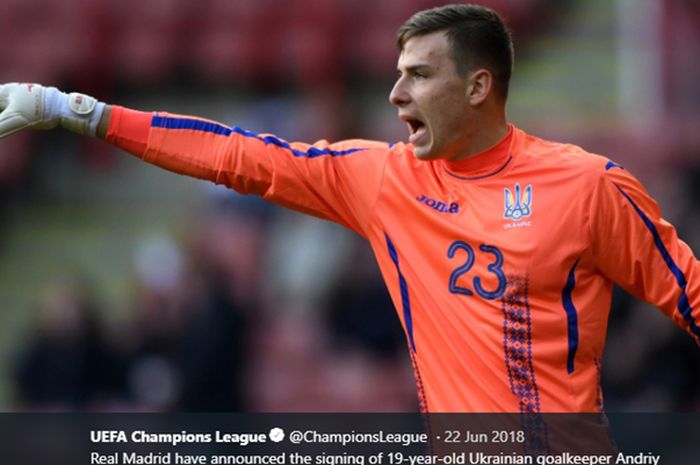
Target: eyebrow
x,y
414,68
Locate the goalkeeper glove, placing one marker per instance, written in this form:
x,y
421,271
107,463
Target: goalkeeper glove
x,y
38,107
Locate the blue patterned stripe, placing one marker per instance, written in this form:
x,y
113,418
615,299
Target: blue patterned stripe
x,y
571,318
517,346
405,302
422,398
599,397
215,128
683,304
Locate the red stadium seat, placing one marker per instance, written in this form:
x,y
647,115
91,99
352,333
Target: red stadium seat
x,y
149,37
236,41
42,47
312,41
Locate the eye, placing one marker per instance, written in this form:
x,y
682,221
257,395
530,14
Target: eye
x,y
412,74
420,73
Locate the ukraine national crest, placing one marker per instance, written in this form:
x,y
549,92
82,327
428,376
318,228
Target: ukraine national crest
x,y
518,206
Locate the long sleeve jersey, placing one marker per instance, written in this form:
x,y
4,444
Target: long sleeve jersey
x,y
500,266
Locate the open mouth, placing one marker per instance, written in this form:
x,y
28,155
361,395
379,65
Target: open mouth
x,y
416,128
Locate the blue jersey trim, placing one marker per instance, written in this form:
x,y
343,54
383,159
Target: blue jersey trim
x,y
405,302
571,318
188,123
474,178
215,128
612,164
683,304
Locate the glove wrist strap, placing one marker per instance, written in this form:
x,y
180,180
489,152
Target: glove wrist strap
x,y
76,112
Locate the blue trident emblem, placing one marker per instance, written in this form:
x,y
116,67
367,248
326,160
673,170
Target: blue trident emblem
x,y
518,206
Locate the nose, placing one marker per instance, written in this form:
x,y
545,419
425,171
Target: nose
x,y
398,95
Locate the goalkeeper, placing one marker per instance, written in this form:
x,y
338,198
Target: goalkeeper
x,y
499,249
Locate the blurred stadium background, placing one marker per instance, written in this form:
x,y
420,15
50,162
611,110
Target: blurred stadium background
x,y
126,288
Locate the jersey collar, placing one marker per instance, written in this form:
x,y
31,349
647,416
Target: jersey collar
x,y
483,164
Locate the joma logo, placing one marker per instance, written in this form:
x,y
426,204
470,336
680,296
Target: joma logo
x,y
442,207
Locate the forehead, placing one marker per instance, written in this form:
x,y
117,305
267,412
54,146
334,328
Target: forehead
x,y
427,49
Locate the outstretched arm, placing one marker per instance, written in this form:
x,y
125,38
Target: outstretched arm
x,y
339,182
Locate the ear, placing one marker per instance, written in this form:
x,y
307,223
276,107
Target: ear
x,y
479,86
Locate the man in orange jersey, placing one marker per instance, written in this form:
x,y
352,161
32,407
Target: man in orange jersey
x,y
499,249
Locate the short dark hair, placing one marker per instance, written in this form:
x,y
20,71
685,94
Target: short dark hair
x,y
477,36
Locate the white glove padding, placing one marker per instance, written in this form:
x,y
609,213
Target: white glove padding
x,y
38,107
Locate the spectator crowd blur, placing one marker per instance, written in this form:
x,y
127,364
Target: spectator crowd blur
x,y
258,309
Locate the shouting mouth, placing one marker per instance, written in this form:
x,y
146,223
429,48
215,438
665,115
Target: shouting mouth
x,y
416,128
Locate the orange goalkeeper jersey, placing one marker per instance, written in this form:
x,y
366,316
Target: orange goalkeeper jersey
x,y
500,266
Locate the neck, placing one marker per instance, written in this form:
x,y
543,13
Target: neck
x,y
488,130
